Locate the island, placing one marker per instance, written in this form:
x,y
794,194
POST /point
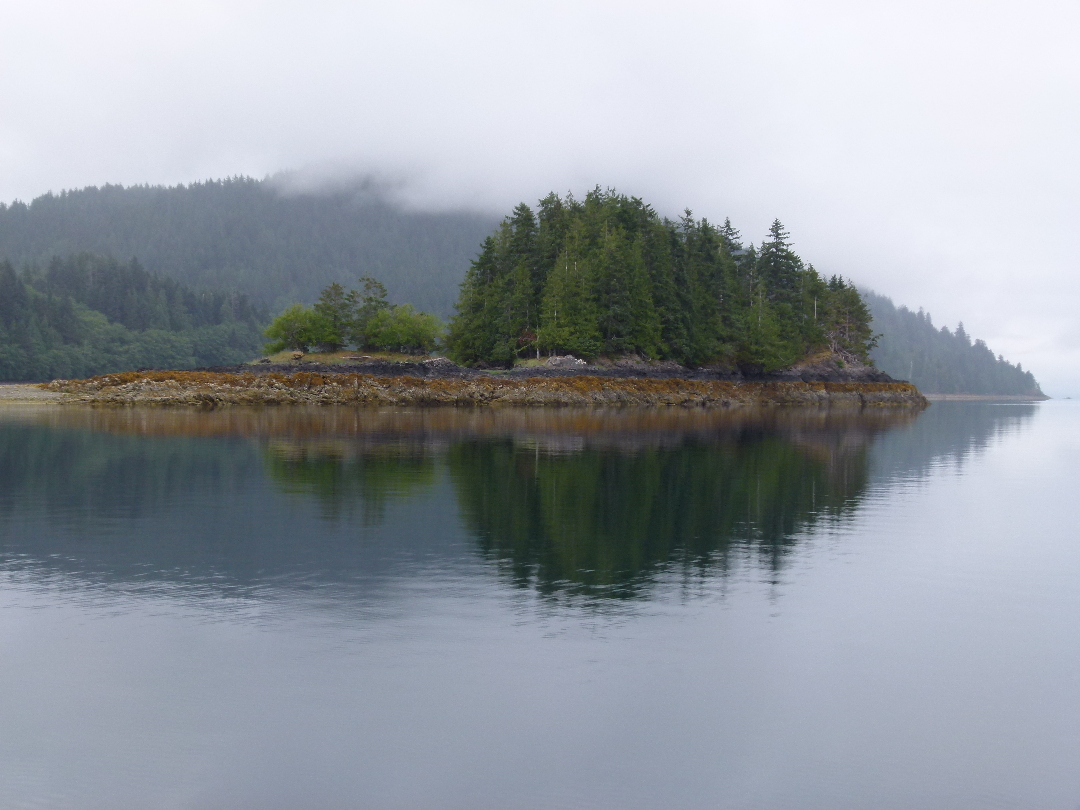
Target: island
x,y
595,302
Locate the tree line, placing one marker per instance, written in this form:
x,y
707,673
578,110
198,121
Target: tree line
x,y
941,361
84,314
608,275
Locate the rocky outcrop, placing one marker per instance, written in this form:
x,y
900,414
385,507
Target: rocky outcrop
x,y
818,368
212,389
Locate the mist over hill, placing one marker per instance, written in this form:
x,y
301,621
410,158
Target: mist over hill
x,y
940,361
255,237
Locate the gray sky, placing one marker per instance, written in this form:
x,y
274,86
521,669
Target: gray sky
x,y
926,149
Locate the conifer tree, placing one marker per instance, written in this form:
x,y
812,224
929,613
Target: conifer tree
x,y
569,313
337,309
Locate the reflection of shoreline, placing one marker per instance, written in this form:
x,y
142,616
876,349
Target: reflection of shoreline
x,y
556,429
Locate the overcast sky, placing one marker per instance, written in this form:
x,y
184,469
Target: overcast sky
x,y
929,150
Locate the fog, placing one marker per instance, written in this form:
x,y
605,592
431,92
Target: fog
x,y
926,150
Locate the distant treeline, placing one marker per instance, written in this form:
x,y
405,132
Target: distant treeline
x,y
250,236
608,275
940,361
85,314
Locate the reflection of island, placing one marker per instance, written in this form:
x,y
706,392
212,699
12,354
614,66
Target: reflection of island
x,y
601,521
589,503
344,480
597,502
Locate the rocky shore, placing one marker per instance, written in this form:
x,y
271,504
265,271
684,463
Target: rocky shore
x,y
439,382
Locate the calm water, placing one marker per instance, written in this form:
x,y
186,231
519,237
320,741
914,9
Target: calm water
x,y
446,609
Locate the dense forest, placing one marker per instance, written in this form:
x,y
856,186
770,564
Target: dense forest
x,y
255,238
85,314
607,275
940,361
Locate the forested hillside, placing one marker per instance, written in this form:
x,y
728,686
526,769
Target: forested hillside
x,y
940,361
248,236
608,275
84,314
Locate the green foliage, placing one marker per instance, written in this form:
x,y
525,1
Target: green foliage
x,y
335,316
86,315
607,275
847,321
371,301
401,328
365,319
297,328
939,361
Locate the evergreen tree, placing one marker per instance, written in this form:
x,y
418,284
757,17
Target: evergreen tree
x,y
337,308
570,323
847,321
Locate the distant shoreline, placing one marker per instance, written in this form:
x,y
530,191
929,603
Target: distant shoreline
x,y
984,398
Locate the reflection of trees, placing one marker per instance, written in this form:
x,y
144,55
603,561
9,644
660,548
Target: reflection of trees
x,y
603,522
342,479
949,432
582,502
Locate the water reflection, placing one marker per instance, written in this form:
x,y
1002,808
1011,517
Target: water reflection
x,y
347,480
578,503
602,521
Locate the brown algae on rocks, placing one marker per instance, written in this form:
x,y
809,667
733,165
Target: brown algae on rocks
x,y
215,389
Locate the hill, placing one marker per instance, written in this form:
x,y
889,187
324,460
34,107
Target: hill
x,y
940,361
252,237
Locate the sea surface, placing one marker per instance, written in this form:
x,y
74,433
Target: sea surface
x,y
289,608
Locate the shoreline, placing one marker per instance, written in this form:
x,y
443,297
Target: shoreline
x,y
12,393
210,389
984,398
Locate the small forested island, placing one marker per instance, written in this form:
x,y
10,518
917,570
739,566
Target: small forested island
x,y
216,258
598,302
607,275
